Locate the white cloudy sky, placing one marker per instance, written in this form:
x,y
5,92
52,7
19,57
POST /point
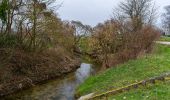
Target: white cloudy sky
x,y
92,12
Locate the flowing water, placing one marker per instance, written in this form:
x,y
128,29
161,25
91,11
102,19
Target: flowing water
x,y
60,89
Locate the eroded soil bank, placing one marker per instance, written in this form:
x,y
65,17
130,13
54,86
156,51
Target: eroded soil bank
x,y
62,88
21,70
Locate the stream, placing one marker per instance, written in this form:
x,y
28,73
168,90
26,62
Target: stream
x,y
59,89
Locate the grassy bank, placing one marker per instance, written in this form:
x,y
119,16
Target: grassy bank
x,y
159,91
145,67
165,38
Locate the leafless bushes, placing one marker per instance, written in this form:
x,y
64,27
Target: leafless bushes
x,y
137,43
114,43
20,64
127,35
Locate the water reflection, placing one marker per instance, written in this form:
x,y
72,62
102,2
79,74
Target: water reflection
x,y
83,72
62,89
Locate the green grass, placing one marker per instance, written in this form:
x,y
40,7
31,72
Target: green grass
x,y
124,74
159,91
165,38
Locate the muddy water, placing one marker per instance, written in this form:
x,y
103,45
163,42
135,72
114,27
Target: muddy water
x,y
60,89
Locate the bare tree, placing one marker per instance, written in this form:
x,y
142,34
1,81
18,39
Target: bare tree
x,y
80,31
35,11
138,12
23,18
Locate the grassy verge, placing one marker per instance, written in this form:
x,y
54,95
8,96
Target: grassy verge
x,y
165,38
124,74
159,91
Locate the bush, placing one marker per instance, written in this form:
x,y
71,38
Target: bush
x,y
114,44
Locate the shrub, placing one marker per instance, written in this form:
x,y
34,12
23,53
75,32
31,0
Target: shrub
x,y
114,43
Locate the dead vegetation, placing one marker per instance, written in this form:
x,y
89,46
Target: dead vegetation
x,y
127,35
34,43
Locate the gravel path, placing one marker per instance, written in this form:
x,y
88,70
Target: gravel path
x,y
161,42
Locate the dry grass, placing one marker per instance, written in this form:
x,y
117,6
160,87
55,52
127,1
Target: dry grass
x,y
20,64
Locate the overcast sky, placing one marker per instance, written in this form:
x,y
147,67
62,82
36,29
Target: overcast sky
x,y
92,12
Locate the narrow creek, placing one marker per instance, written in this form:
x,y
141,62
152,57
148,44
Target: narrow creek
x,y
59,89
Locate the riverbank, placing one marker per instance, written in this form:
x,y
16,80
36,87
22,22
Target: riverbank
x,y
145,67
22,70
158,91
61,88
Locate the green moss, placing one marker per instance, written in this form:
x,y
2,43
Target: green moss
x,y
124,74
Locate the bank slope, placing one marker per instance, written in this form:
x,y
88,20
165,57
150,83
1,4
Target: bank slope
x,y
148,66
158,91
